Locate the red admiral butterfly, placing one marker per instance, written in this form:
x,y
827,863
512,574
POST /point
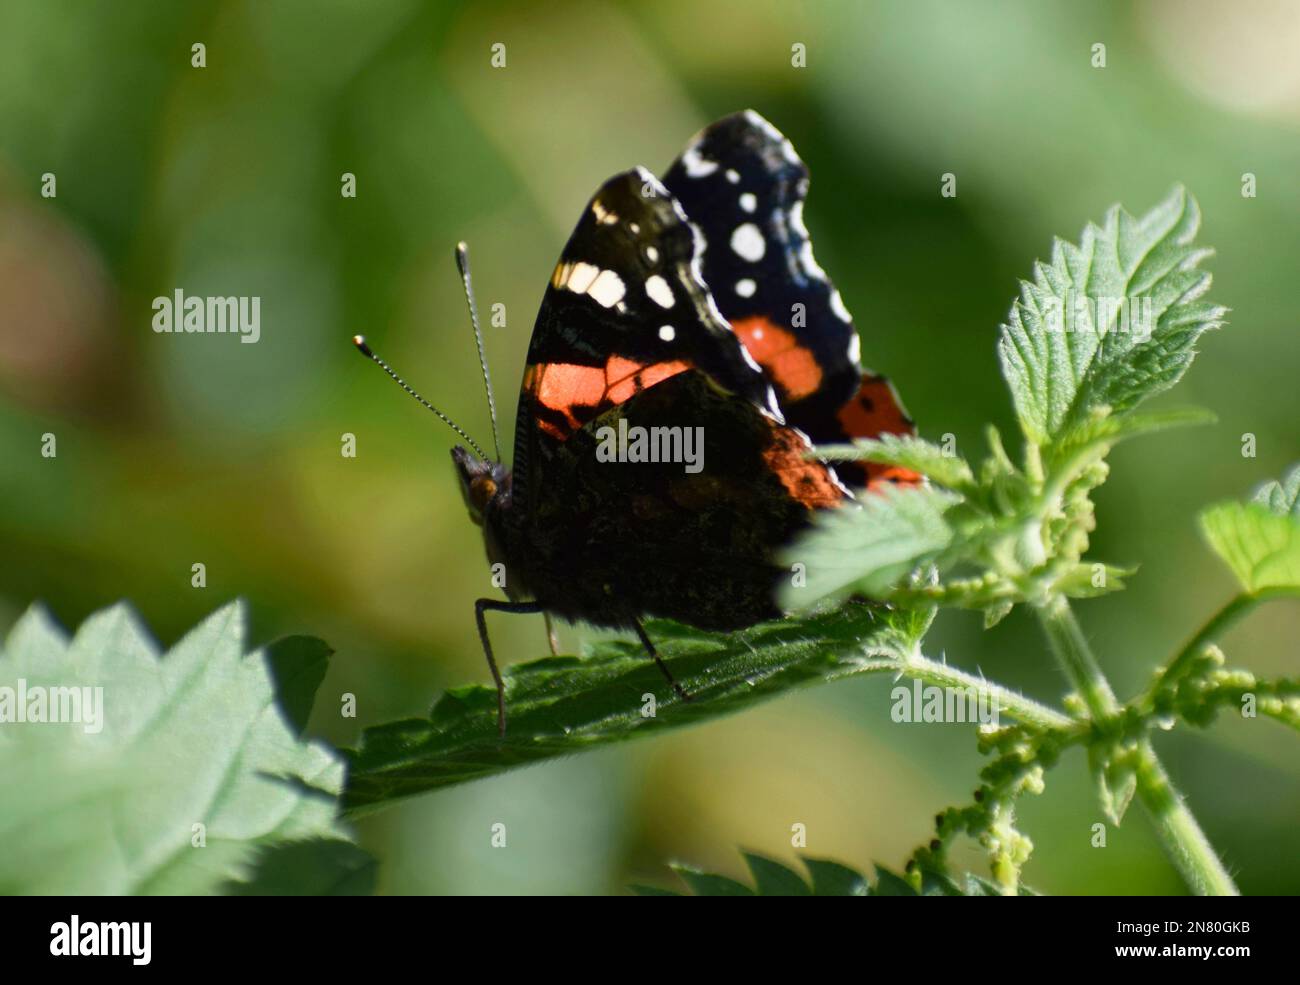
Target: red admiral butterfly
x,y
688,316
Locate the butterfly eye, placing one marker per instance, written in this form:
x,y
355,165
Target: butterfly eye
x,y
482,489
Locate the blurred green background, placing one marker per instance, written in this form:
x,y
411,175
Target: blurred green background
x,y
226,180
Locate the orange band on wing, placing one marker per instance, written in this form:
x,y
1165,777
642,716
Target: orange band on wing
x,y
880,475
777,350
577,393
807,481
874,410
565,386
625,378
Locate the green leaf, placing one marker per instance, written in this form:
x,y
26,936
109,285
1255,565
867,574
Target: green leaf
x,y
1116,780
771,878
829,878
1089,579
995,613
979,886
938,884
1109,322
298,665
1262,547
908,452
1103,428
320,867
888,884
707,884
196,737
559,706
833,879
868,549
1282,498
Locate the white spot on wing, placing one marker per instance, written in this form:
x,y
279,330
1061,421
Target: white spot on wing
x,y
748,243
775,135
745,288
809,264
748,201
733,175
796,219
659,292
652,254
602,214
580,276
607,289
696,165
806,260
837,306
699,241
667,333
651,187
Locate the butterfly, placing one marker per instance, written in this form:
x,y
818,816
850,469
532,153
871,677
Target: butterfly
x,y
687,355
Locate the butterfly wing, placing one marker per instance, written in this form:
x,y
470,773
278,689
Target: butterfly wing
x,y
687,537
625,309
629,337
742,184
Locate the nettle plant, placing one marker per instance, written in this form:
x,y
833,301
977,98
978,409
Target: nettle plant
x,y
197,778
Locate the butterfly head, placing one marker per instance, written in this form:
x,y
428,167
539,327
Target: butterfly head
x,y
482,482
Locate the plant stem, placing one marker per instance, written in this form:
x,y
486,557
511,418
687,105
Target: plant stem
x,y
1219,623
941,674
1071,648
1184,841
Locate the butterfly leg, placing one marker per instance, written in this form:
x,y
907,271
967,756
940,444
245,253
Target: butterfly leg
x,y
654,655
495,605
550,635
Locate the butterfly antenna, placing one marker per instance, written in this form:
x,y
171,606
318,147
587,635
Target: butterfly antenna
x,y
360,342
462,264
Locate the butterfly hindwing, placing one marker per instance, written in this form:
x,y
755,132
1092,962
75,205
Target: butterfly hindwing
x,y
742,184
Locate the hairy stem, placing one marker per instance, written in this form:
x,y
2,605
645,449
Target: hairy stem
x,y
1184,841
940,674
1075,655
1219,624
1190,850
